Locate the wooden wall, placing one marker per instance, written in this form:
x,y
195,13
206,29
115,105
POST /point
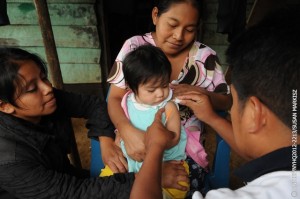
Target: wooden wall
x,y
74,27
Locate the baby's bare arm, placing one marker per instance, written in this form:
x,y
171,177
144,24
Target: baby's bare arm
x,y
173,122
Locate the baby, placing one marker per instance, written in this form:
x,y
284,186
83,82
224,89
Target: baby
x,y
147,74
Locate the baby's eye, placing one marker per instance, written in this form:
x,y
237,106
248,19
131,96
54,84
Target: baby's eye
x,y
151,91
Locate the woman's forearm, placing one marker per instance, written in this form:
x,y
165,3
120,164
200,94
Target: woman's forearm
x,y
116,112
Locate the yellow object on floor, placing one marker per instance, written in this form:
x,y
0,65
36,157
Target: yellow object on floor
x,y
106,172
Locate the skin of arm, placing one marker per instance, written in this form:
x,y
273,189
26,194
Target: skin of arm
x,y
134,141
219,101
112,155
157,139
173,121
203,110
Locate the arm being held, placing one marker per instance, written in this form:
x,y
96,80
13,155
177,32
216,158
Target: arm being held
x,y
173,122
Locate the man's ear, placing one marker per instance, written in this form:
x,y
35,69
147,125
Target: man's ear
x,y
254,115
154,15
6,107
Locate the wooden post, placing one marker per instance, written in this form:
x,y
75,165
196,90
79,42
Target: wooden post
x,y
49,42
53,64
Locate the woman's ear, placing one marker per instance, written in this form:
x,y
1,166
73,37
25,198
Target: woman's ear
x,y
154,15
6,107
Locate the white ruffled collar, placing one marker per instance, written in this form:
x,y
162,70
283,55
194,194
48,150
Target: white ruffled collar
x,y
141,106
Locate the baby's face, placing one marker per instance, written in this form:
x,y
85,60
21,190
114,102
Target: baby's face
x,y
152,93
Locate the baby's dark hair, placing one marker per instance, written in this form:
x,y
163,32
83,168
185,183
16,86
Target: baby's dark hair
x,y
146,63
10,62
265,62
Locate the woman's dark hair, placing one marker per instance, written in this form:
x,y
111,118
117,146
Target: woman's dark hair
x,y
163,6
10,62
145,63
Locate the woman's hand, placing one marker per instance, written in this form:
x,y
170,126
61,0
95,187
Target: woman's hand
x,y
112,155
134,142
173,172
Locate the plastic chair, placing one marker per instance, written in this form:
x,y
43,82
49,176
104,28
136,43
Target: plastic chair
x,y
96,160
218,177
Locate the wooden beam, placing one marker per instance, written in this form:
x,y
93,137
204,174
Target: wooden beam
x,y
54,1
53,64
60,14
49,43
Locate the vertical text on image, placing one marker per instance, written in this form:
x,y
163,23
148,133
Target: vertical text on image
x,y
294,141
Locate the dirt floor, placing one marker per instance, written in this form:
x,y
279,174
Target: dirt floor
x,y
83,144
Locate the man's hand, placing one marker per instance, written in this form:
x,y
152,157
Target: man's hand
x,y
180,89
200,104
158,135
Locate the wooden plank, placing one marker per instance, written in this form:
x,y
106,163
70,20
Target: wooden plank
x,y
71,55
54,1
65,36
60,14
50,48
81,73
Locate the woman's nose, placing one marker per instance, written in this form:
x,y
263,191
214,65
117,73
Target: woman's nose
x,y
178,34
46,87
